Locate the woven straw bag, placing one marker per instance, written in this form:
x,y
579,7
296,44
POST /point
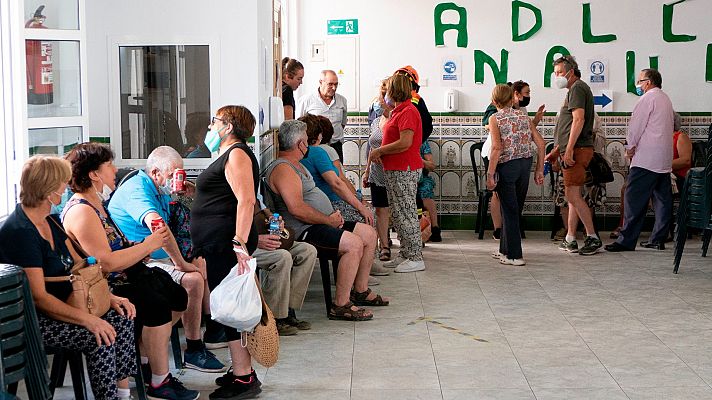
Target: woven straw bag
x,y
263,343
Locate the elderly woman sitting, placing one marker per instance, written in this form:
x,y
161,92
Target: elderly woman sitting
x,y
33,238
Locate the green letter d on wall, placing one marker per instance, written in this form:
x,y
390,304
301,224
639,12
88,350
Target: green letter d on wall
x,y
500,73
460,26
516,6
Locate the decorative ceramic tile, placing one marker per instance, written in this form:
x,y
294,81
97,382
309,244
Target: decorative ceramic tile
x,y
450,185
351,153
450,154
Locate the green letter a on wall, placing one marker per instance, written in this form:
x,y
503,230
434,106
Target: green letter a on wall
x,y
516,6
549,66
460,27
631,72
500,73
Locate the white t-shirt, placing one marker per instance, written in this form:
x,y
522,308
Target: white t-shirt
x,y
336,111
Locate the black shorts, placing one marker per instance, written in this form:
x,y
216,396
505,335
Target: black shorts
x,y
153,307
379,197
326,238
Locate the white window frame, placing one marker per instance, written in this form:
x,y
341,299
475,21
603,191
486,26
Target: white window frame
x,y
113,44
13,143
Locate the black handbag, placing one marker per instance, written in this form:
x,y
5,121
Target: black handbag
x,y
601,171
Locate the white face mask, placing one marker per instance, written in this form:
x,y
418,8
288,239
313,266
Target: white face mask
x,y
560,82
105,193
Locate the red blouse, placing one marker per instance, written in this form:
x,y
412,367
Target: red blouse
x,y
403,117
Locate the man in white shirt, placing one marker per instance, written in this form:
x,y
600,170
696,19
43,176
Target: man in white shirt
x,y
325,101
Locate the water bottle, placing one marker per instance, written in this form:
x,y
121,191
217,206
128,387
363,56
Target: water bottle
x,y
547,167
91,260
274,225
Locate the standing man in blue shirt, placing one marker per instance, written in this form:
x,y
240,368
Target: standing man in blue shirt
x,y
135,204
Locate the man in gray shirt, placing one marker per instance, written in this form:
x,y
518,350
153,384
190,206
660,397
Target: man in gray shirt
x,y
325,101
307,210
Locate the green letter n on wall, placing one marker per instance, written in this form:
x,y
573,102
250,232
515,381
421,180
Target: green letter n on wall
x,y
516,6
460,26
500,73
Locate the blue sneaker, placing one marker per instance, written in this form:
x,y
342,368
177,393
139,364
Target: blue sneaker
x,y
202,360
172,389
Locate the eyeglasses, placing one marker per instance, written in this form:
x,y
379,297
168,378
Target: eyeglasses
x,y
642,80
212,121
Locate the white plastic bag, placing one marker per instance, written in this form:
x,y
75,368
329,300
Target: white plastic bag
x,y
236,301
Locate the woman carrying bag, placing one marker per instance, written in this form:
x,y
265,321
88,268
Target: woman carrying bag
x,y
32,238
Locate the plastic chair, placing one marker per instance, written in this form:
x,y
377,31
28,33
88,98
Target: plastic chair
x,y
326,277
62,358
483,195
695,208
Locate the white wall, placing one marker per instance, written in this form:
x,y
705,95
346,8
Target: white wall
x,y
237,27
394,33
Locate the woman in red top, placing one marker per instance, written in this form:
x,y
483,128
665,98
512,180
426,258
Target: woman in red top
x,y
400,156
682,154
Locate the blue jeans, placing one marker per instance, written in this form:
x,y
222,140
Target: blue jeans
x,y
641,185
512,188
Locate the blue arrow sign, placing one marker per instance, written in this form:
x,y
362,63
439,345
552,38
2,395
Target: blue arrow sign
x,y
602,100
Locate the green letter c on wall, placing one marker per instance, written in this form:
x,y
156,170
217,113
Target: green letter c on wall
x,y
460,26
516,6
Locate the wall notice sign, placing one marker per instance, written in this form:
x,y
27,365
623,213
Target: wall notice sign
x,y
451,71
342,27
597,71
603,100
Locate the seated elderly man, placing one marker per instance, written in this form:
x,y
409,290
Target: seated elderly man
x,y
308,211
135,204
285,277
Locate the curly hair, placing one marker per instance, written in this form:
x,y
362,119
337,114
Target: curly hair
x,y
85,158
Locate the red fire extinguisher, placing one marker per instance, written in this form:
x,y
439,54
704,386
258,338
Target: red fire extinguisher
x,y
40,87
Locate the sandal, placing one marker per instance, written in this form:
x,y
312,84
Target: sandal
x,y
361,299
385,254
345,313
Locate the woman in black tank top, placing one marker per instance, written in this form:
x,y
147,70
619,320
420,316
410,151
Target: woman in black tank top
x,y
221,224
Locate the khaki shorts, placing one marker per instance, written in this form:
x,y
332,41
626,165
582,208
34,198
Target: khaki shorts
x,y
167,265
576,174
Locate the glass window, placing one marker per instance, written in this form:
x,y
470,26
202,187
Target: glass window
x,y
53,78
165,99
54,140
55,14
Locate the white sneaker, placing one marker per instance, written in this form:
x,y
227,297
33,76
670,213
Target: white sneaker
x,y
377,269
512,261
373,281
394,262
411,266
497,255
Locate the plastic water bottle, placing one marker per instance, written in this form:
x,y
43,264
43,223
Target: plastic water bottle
x,y
274,225
547,168
91,260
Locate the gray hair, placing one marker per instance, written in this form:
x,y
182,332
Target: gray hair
x,y
569,63
290,132
677,122
326,72
163,158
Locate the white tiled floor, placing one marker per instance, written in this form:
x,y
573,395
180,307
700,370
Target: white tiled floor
x,y
608,326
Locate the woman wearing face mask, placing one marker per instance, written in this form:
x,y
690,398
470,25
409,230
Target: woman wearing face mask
x,y
32,238
87,221
222,228
292,75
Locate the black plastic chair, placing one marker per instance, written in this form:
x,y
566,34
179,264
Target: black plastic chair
x,y
483,195
695,210
62,358
324,261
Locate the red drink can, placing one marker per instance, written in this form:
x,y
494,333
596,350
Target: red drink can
x,y
157,223
179,177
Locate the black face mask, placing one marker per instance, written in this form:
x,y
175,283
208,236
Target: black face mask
x,y
525,101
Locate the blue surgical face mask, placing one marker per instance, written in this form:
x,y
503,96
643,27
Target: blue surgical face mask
x,y
54,208
213,139
377,108
639,90
167,187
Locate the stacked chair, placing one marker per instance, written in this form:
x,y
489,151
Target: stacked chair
x,y
695,208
